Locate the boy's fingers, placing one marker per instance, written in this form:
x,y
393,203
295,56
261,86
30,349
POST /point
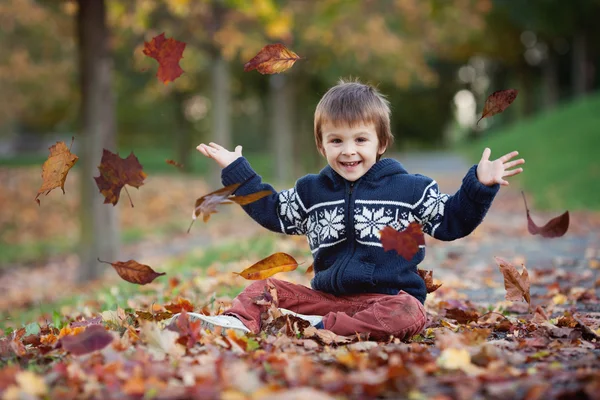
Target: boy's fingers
x,y
514,163
238,150
486,154
508,156
513,172
216,146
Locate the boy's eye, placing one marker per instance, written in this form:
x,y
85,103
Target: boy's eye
x,y
360,139
336,141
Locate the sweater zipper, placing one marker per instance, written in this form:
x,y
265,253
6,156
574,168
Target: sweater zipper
x,y
350,238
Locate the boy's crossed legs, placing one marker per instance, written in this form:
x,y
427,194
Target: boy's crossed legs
x,y
381,315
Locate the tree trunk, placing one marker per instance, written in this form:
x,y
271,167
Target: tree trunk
x,y
221,116
99,223
578,67
281,126
551,87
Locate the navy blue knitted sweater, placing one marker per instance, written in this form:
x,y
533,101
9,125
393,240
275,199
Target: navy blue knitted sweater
x,y
342,220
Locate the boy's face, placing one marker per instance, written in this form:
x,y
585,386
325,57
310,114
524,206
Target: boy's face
x,y
350,151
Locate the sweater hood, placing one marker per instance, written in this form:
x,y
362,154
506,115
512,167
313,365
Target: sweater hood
x,y
382,168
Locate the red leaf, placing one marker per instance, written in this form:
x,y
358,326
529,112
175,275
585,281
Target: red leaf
x,y
405,243
116,172
556,227
272,59
428,278
134,272
95,337
498,102
167,52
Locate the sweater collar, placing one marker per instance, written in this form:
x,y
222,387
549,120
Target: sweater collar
x,y
383,167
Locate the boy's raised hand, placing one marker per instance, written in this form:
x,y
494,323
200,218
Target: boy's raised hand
x,y
221,155
491,172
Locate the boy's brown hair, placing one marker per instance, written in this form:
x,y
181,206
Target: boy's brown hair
x,y
352,103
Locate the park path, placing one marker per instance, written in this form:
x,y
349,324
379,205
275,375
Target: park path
x,y
466,265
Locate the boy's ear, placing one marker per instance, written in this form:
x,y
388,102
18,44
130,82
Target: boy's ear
x,y
321,150
382,150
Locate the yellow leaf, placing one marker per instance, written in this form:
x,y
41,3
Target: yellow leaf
x,y
275,263
560,299
453,358
32,384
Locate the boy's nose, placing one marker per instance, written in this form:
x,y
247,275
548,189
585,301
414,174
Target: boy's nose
x,y
349,150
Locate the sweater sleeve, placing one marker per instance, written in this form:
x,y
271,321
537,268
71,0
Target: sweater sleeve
x,y
282,212
450,217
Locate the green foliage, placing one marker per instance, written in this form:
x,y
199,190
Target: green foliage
x,y
560,148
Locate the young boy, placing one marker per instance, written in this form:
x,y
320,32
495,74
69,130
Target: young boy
x,y
357,287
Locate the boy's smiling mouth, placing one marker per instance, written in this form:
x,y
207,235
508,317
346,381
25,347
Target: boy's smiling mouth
x,y
350,164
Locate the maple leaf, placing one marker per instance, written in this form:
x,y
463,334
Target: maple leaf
x,y
95,337
133,272
516,285
272,59
428,278
498,102
556,227
167,52
275,263
208,203
115,173
405,243
56,168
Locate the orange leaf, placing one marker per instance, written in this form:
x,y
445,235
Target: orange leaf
x,y
428,278
310,269
405,243
116,172
556,227
516,285
133,272
179,305
498,102
275,263
272,59
56,168
167,52
174,163
208,203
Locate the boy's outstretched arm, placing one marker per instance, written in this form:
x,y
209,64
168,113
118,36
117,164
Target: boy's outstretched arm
x,y
282,212
451,217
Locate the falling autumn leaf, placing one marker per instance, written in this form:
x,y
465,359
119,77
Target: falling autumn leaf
x,y
208,203
275,263
498,102
174,163
405,243
95,337
428,278
516,285
556,227
310,269
115,173
56,168
167,52
272,59
133,272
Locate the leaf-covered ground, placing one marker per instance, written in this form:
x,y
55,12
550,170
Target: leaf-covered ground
x,y
476,345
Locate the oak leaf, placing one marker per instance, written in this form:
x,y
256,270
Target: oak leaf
x,y
498,102
115,173
167,52
406,243
134,272
207,204
56,168
275,263
272,59
516,285
95,337
428,278
556,227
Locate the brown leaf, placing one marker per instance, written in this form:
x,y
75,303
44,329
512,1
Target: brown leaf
x,y
462,316
275,263
180,305
428,278
56,168
116,172
405,243
174,163
95,337
272,59
208,203
167,52
556,227
133,272
498,102
516,285
151,316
